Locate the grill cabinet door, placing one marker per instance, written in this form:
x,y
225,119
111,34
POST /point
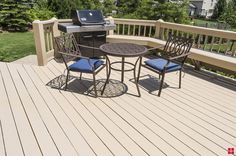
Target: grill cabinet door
x,y
86,38
99,39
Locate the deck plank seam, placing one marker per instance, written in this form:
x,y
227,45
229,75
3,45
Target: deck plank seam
x,y
2,136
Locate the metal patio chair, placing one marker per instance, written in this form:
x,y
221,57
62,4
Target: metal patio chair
x,y
69,50
172,58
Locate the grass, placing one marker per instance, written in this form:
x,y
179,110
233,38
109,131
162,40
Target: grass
x,y
16,45
201,21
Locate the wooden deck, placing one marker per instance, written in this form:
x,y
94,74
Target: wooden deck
x,y
37,119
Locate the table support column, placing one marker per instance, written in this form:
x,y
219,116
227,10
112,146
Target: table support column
x,y
136,78
122,69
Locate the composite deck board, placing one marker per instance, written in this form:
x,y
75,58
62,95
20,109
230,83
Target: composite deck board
x,y
110,126
202,107
132,111
79,107
224,142
218,90
83,127
176,96
205,95
77,139
44,141
44,103
9,130
148,113
198,119
151,149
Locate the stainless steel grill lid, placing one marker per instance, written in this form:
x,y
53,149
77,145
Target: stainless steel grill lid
x,y
87,17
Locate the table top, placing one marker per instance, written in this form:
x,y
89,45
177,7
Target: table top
x,y
123,49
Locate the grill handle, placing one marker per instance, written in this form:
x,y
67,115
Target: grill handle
x,y
88,36
103,35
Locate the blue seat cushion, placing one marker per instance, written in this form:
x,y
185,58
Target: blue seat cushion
x,y
160,63
83,65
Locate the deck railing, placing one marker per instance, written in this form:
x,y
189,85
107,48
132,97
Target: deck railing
x,y
213,40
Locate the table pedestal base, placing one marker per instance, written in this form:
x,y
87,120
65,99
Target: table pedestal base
x,y
122,70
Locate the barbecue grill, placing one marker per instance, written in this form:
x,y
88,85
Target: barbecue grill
x,y
90,29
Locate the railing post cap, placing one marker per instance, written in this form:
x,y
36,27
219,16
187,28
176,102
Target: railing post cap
x,y
54,18
36,21
160,20
110,17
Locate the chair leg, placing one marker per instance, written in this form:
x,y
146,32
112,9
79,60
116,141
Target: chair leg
x,y
161,85
180,77
80,77
67,77
94,83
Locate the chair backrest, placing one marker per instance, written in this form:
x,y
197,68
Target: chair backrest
x,y
68,48
177,45
67,45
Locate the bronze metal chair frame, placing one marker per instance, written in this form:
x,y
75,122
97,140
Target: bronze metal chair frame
x,y
176,47
68,47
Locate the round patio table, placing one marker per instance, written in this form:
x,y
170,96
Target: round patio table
x,y
124,50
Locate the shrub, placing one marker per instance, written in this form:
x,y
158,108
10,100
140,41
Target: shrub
x,y
40,14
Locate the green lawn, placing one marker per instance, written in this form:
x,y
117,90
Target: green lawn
x,y
16,45
202,22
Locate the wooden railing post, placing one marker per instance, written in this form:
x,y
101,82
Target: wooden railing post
x,y
158,28
111,19
40,43
56,33
233,50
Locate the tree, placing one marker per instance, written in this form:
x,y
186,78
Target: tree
x,y
172,11
63,8
108,6
219,8
126,7
40,11
229,15
158,9
13,14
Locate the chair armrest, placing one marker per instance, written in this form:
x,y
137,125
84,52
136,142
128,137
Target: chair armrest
x,y
84,46
154,48
77,56
180,56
